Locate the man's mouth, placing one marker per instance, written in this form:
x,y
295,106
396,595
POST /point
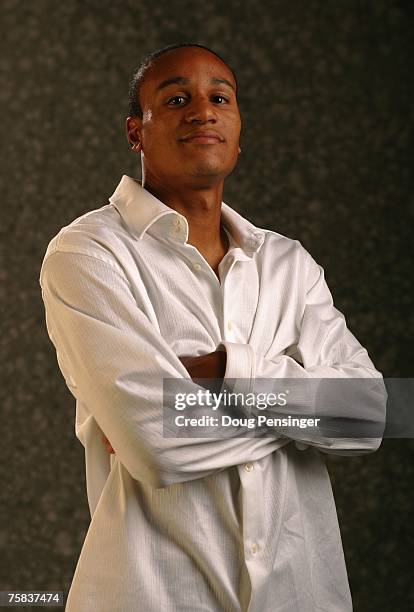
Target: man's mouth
x,y
203,137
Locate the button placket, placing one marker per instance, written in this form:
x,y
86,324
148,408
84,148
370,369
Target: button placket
x,y
228,320
253,519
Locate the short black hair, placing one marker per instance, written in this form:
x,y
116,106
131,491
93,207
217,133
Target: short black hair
x,y
138,75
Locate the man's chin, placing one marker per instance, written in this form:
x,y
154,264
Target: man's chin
x,y
209,170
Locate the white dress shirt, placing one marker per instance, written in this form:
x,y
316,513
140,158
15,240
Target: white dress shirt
x,y
195,524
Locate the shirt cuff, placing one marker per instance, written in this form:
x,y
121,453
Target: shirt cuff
x,y
240,367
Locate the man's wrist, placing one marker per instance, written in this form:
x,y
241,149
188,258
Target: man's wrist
x,y
211,365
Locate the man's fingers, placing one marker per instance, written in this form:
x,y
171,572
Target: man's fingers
x,y
108,445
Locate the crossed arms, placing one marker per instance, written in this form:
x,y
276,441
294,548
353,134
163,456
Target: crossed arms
x,y
114,360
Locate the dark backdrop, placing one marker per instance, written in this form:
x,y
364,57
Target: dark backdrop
x,y
326,95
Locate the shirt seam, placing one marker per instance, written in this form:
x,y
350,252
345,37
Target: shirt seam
x,y
112,264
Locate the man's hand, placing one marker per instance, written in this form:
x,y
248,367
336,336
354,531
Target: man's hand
x,y
212,365
107,445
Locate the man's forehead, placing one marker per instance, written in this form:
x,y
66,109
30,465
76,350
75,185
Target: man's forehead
x,y
190,63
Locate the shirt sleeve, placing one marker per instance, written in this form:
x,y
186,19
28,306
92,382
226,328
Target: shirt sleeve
x,y
114,361
326,350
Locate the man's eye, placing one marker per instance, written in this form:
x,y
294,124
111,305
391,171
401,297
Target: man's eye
x,y
173,101
179,100
218,97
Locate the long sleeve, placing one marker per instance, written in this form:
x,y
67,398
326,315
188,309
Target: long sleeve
x,y
326,349
114,361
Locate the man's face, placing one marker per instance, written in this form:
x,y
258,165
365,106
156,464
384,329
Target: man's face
x,y
186,92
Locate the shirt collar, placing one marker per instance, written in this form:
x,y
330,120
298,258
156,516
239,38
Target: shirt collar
x,y
142,211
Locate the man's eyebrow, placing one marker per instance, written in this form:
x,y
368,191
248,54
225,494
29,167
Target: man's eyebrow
x,y
217,81
179,80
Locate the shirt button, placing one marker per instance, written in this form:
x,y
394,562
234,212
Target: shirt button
x,y
177,221
229,326
197,267
249,467
254,240
175,231
254,548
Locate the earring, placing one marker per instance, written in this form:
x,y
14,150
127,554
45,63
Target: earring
x,y
136,146
239,150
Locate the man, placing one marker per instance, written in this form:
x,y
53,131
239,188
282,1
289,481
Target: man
x,y
166,281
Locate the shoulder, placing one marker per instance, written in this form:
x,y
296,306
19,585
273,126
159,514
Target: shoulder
x,y
277,247
98,237
96,233
288,260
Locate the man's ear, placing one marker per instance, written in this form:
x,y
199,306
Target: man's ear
x,y
133,127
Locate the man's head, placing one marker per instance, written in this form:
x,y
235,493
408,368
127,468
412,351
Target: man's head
x,y
138,76
176,93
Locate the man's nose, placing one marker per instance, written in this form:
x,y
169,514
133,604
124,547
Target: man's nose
x,y
200,110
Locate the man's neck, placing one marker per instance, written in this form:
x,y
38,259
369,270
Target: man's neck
x,y
202,209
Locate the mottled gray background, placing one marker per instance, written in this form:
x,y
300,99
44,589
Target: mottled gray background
x,y
326,95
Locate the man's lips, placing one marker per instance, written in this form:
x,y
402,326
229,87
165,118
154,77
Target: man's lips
x,y
203,137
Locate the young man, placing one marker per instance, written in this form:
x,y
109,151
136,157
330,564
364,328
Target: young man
x,y
166,281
